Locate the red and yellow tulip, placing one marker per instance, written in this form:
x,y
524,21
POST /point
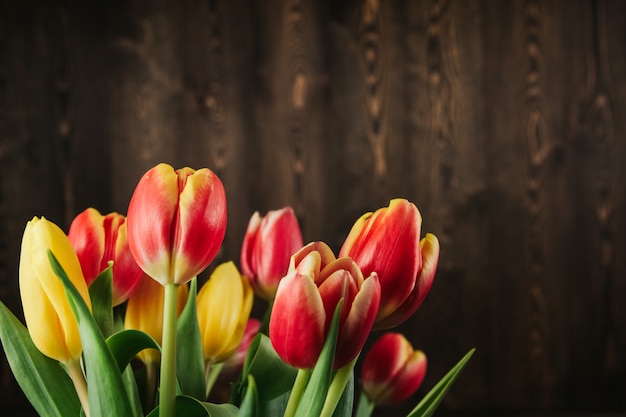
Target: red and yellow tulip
x,y
306,300
49,318
267,247
176,222
388,242
392,371
99,239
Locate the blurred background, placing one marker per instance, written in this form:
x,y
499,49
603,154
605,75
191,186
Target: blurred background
x,y
503,121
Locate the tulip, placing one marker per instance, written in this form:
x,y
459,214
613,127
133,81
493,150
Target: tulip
x,y
388,242
224,304
49,318
99,239
305,304
267,247
144,312
176,222
392,371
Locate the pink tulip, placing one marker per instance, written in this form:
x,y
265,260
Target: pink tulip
x,y
176,222
99,239
392,370
388,242
267,247
306,300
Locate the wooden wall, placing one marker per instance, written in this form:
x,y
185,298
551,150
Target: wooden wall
x,y
502,120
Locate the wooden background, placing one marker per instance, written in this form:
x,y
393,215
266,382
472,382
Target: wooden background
x,y
502,120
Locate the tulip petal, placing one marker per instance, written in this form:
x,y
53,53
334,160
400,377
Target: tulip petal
x,y
201,227
359,321
430,258
149,226
297,321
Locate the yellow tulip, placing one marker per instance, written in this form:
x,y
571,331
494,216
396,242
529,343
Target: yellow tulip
x,y
144,312
49,318
224,304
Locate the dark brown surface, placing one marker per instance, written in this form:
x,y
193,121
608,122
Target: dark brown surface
x,y
502,120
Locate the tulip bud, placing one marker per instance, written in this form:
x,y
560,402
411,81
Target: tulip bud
x,y
224,304
267,247
392,370
144,312
388,242
99,239
49,318
176,222
305,304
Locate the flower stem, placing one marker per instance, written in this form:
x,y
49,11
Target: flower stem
x,y
337,386
167,390
80,384
296,392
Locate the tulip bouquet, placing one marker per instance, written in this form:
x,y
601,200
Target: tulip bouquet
x,y
116,324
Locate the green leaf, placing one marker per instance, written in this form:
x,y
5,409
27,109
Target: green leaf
x,y
190,407
250,404
130,385
100,292
44,382
273,377
126,344
107,394
316,390
431,401
189,356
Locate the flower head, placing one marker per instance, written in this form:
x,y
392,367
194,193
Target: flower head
x,y
100,239
306,300
388,242
176,222
49,318
267,247
224,304
392,370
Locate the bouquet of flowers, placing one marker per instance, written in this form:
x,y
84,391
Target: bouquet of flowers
x,y
116,326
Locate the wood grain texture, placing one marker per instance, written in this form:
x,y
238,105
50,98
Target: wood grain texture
x,y
501,120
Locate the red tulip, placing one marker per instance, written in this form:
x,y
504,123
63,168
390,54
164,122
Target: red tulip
x,y
176,222
236,361
388,242
306,300
392,370
99,239
267,247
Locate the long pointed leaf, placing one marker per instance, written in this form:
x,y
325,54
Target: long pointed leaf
x,y
107,395
189,357
46,385
250,404
431,401
100,292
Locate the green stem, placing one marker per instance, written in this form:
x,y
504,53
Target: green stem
x,y
337,386
80,384
167,390
296,391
